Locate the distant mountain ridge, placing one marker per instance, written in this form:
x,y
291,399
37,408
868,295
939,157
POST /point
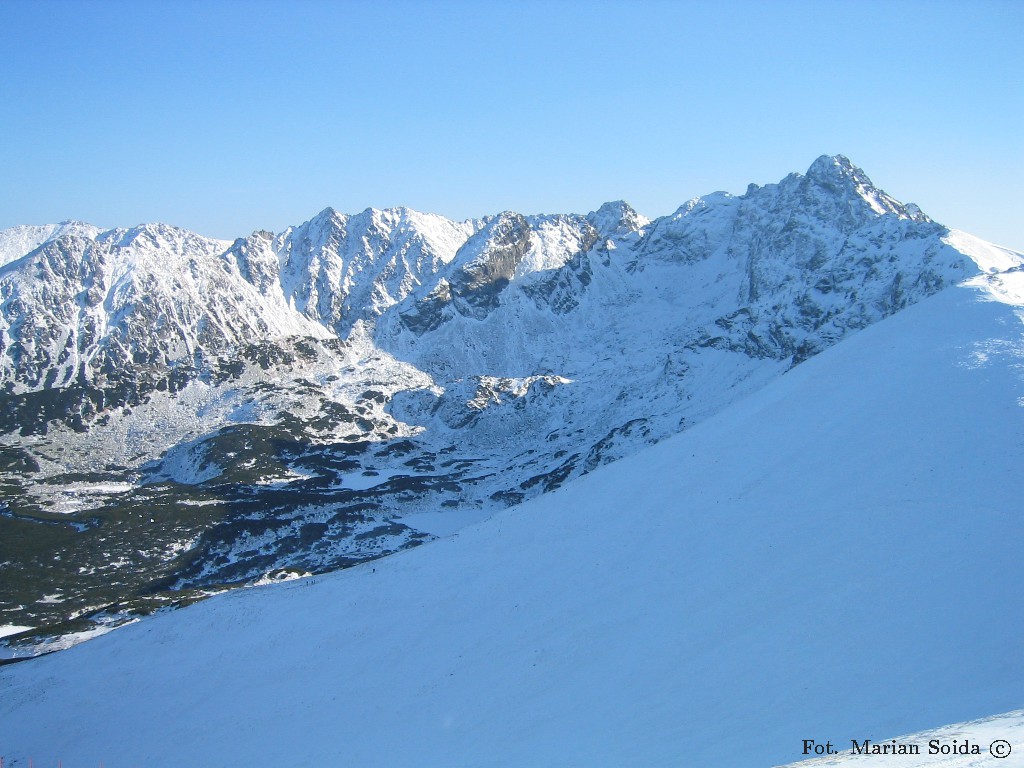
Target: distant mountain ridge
x,y
183,413
156,293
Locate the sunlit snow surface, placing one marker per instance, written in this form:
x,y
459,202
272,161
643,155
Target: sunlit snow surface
x,y
836,556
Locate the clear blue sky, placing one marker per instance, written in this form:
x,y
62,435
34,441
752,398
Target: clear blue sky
x,y
225,117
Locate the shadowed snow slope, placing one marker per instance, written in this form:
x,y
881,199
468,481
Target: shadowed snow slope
x,y
835,556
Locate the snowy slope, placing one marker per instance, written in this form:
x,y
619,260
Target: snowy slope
x,y
835,556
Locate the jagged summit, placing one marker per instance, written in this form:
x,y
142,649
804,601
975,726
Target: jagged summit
x,y
617,219
838,174
836,167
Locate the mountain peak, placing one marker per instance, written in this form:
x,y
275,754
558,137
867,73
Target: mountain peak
x,y
617,218
327,214
75,224
838,174
832,168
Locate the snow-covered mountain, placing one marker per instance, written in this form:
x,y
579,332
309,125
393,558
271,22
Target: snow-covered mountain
x,y
182,413
87,308
835,556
